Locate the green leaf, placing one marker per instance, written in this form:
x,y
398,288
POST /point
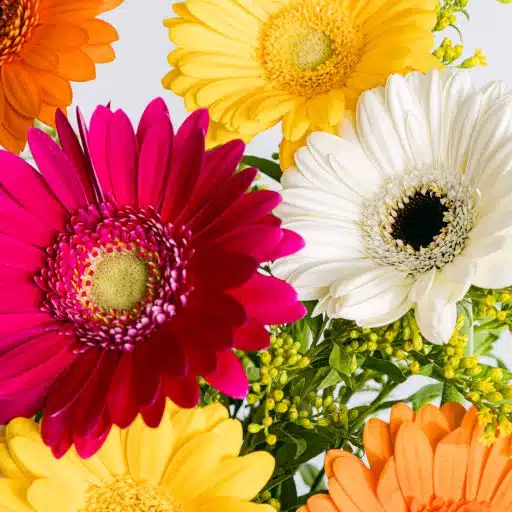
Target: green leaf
x,y
450,394
301,446
425,395
267,167
426,370
331,379
308,472
297,387
340,360
288,494
386,367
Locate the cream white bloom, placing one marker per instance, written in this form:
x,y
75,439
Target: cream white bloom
x,y
409,207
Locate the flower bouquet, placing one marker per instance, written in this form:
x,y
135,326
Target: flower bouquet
x,y
188,328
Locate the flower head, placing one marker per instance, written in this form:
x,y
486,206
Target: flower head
x,y
130,268
432,461
409,207
189,462
45,44
302,62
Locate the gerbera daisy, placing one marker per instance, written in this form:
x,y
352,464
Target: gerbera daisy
x,y
255,63
430,461
129,269
43,45
409,207
189,463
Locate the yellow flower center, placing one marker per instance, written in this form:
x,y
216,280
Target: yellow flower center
x,y
17,19
128,496
119,281
310,47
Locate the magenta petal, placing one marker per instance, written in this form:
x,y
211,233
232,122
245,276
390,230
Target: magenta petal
x,y
266,299
121,403
247,209
252,336
20,297
153,414
146,376
23,405
97,137
222,270
155,113
13,323
17,254
230,377
154,163
183,391
221,202
122,159
289,244
219,166
87,446
71,146
22,224
64,179
187,160
27,186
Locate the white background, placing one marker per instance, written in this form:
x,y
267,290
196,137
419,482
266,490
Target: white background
x,y
134,78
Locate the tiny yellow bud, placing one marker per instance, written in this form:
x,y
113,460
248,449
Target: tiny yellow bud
x,y
303,414
306,423
256,387
274,372
265,496
354,334
469,362
373,337
271,439
495,396
275,504
473,372
269,404
496,374
328,400
353,414
267,421
265,357
278,361
507,393
318,402
372,346
278,395
254,428
283,378
304,362
323,422
293,415
474,396
252,399
502,315
505,297
265,380
415,367
449,372
293,360
281,408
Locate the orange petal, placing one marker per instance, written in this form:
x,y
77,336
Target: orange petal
x,y
100,54
54,90
39,57
47,114
495,469
108,5
2,105
470,420
330,457
414,462
502,500
99,32
358,482
60,37
15,123
454,414
450,465
341,500
388,489
399,414
478,454
319,503
20,88
377,443
433,422
9,142
76,66
63,11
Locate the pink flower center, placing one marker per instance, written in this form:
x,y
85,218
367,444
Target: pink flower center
x,y
115,275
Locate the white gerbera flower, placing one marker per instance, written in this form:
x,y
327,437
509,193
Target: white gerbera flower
x,y
409,207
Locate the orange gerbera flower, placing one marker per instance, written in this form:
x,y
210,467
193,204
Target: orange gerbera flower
x,y
430,461
43,45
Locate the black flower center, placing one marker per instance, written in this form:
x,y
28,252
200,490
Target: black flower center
x,y
420,221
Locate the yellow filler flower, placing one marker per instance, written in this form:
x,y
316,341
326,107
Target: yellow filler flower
x,y
189,463
254,63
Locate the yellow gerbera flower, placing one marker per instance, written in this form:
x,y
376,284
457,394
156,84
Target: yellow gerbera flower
x,y
189,464
254,63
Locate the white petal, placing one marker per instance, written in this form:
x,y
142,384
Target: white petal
x,y
409,119
497,196
492,93
388,318
494,223
456,278
436,319
378,135
348,127
482,247
321,306
422,285
433,100
294,178
376,306
494,271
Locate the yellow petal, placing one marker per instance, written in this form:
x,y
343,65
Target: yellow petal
x,y
46,495
148,449
214,414
210,66
327,109
296,122
198,38
37,459
232,435
111,453
12,496
187,423
22,427
231,505
218,89
241,477
8,466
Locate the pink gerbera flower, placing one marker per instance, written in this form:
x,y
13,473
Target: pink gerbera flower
x,y
128,268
